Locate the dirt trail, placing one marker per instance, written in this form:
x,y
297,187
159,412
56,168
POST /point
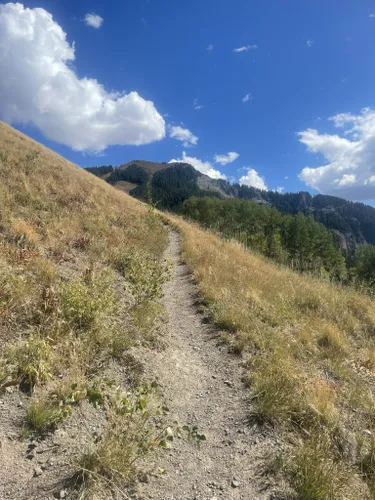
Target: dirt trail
x,y
201,382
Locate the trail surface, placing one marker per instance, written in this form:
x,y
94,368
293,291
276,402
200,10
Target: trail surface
x,y
202,384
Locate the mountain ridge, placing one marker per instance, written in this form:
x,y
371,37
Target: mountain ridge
x,y
352,222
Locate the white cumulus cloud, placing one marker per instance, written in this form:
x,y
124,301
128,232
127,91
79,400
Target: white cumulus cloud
x,y
210,48
228,158
204,167
93,20
279,189
38,85
310,43
252,178
349,167
245,48
184,135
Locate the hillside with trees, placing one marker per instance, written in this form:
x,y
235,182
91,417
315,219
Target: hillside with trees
x,y
298,241
317,234
353,223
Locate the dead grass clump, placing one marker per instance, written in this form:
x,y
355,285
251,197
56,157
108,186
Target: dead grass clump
x,y
314,474
43,416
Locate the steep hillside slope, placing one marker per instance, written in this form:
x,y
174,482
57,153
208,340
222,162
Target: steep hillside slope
x,y
309,352
80,275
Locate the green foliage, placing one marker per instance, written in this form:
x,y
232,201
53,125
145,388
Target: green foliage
x,y
85,301
130,435
100,171
145,274
172,186
364,263
355,220
43,416
30,361
133,173
298,241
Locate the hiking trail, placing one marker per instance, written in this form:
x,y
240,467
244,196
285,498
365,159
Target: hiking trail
x,y
201,383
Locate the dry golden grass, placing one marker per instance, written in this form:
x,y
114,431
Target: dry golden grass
x,y
309,346
64,308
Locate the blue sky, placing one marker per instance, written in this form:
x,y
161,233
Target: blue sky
x,y
300,64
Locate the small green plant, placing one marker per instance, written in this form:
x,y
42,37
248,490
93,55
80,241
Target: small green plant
x,y
120,341
192,434
95,392
146,275
43,416
129,436
30,361
4,374
85,301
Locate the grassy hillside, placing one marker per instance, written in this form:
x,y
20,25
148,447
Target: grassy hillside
x,y
310,355
80,274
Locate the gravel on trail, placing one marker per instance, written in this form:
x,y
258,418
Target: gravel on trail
x,y
201,382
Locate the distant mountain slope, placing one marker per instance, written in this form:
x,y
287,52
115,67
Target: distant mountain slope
x,y
149,166
172,183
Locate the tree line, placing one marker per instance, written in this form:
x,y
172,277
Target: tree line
x,y
298,241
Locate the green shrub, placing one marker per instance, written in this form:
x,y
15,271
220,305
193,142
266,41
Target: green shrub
x,y
146,275
30,361
86,301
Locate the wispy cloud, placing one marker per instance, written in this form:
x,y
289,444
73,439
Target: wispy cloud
x,y
247,97
372,15
210,48
93,20
184,135
310,43
245,48
196,105
228,158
